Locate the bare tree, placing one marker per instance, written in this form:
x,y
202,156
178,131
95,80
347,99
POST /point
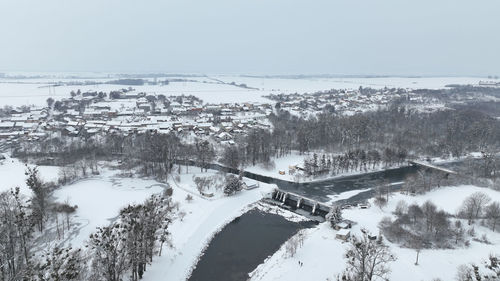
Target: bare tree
x,y
465,273
367,260
492,214
380,201
294,243
473,206
202,183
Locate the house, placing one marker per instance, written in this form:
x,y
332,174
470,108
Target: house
x,y
343,234
6,125
224,136
342,225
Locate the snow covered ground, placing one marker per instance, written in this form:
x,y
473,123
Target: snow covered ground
x,y
322,254
36,94
99,200
346,195
12,173
35,91
280,164
313,84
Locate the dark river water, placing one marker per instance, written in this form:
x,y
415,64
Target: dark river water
x,y
244,244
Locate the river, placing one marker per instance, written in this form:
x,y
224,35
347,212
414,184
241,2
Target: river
x,y
248,240
243,244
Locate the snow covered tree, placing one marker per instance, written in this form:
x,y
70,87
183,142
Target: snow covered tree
x,y
232,185
16,229
61,264
39,198
334,216
110,260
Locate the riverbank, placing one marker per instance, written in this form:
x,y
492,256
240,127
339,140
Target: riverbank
x,y
196,223
322,255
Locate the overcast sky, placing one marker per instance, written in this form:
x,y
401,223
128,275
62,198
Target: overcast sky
x,y
395,37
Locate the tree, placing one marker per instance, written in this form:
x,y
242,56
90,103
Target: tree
x,y
380,201
205,153
465,273
334,216
202,183
458,231
367,259
293,244
110,257
60,264
493,214
50,102
16,229
401,208
417,243
39,198
473,206
429,210
415,213
232,185
231,157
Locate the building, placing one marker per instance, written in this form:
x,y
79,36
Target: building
x,y
343,234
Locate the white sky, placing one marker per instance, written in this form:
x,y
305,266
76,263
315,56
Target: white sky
x,y
399,37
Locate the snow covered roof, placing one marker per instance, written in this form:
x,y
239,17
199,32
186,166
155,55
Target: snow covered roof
x,y
343,232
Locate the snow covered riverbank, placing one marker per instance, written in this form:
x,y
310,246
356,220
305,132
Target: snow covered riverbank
x,y
191,232
323,256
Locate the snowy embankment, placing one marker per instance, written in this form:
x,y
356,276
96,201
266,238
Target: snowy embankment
x,y
323,256
195,225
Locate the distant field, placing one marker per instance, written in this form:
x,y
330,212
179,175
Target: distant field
x,y
35,91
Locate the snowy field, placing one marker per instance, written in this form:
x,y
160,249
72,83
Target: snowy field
x,y
12,173
36,94
99,200
280,164
35,91
322,254
309,85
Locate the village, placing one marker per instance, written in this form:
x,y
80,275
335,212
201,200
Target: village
x,y
127,111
